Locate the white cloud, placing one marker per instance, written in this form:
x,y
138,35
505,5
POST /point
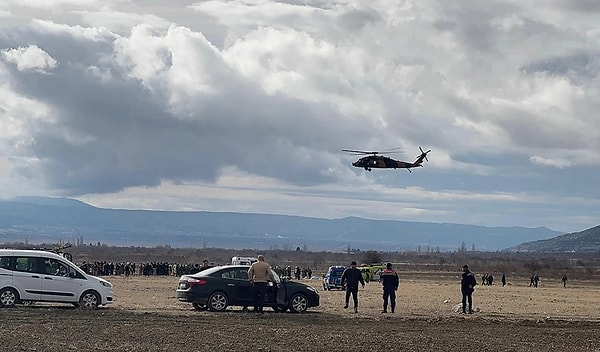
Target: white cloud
x,y
557,163
94,34
30,58
249,103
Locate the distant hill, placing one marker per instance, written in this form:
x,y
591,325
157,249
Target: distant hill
x,y
38,219
584,241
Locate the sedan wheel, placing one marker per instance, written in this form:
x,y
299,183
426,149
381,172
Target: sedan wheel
x,y
217,302
298,303
89,300
8,297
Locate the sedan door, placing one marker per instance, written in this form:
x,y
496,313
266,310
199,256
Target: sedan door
x,y
239,287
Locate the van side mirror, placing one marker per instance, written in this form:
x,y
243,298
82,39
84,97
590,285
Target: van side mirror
x,y
71,275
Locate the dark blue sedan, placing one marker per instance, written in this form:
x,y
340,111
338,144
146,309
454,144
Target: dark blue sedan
x,y
220,287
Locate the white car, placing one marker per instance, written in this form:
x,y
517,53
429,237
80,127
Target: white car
x,y
41,276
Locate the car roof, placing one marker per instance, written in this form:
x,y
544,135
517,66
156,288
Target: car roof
x,y
29,252
214,269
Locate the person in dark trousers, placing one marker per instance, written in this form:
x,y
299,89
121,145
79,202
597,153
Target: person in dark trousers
x,y
467,286
564,280
389,280
259,274
503,280
351,277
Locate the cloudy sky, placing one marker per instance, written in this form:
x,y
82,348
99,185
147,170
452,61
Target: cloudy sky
x,y
245,106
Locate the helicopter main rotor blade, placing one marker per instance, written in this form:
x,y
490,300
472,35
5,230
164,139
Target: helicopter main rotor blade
x,y
359,152
393,150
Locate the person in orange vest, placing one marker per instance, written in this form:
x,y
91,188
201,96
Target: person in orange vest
x,y
390,281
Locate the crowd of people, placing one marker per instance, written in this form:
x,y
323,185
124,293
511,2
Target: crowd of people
x,y
105,268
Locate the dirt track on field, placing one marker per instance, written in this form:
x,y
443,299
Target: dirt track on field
x,y
147,317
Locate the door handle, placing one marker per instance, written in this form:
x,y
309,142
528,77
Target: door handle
x,y
231,285
35,276
47,278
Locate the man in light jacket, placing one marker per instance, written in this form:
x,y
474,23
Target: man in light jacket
x,y
259,273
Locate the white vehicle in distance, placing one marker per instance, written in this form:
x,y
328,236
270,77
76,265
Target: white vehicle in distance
x,y
243,260
41,276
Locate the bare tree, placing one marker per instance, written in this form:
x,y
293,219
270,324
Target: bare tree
x,y
372,257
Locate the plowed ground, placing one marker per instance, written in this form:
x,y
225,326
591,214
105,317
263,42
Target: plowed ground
x,y
146,316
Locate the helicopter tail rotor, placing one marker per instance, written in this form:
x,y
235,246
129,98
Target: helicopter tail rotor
x,y
424,154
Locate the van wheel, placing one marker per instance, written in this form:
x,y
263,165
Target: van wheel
x,y
89,300
298,303
9,297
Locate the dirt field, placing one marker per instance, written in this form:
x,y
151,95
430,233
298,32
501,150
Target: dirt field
x,y
147,317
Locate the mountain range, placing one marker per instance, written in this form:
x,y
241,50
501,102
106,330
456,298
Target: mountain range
x,y
50,220
581,242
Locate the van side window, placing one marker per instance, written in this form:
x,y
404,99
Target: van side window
x,y
4,262
55,267
27,264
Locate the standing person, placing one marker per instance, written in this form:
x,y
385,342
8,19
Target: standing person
x,y
259,273
389,280
531,279
564,280
351,277
204,265
467,285
503,280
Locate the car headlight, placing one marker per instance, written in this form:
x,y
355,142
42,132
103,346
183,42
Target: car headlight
x,y
310,288
105,284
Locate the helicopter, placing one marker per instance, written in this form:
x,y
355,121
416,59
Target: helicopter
x,y
374,160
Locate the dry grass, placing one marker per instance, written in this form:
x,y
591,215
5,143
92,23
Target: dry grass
x,y
419,295
146,316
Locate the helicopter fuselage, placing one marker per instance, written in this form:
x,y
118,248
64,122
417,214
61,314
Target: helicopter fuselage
x,y
382,162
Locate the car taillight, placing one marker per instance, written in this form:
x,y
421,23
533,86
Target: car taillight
x,y
193,281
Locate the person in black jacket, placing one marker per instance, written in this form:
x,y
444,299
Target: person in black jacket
x,y
467,284
389,280
351,277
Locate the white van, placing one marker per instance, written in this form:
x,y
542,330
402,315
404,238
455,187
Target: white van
x,y
41,276
243,260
